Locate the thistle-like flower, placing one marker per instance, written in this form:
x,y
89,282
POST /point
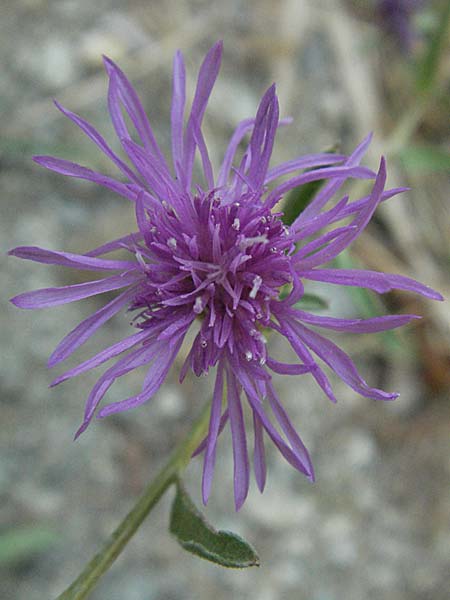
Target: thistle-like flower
x,y
216,257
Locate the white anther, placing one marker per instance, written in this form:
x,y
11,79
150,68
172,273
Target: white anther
x,y
257,281
236,224
263,220
251,241
259,315
172,243
262,361
153,229
203,343
198,305
248,355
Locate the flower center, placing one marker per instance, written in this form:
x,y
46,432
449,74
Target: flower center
x,y
224,263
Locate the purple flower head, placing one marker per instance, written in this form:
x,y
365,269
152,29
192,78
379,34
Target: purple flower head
x,y
215,256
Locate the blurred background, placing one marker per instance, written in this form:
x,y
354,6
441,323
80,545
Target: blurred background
x,y
376,522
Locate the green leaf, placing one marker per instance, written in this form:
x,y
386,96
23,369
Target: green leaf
x,y
311,302
195,535
299,198
428,68
425,159
20,544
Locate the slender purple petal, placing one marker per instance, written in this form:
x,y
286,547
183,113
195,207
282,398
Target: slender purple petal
x,y
339,362
338,173
102,356
156,375
289,431
160,181
202,446
287,369
304,162
82,332
289,454
68,259
263,136
124,92
331,188
379,282
304,354
355,325
244,127
359,223
133,360
177,112
240,455
259,457
200,141
65,167
95,136
213,432
46,297
125,241
205,82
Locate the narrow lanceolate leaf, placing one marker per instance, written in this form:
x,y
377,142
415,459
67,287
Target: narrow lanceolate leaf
x,y
195,535
298,199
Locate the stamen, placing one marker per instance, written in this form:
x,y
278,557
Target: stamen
x,y
236,224
172,243
251,241
248,355
198,305
257,281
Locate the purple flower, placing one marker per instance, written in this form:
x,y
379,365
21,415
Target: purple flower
x,y
215,257
396,17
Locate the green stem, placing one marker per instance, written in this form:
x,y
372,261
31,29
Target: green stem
x,y
168,474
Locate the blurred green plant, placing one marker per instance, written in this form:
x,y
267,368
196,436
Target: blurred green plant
x,y
22,543
424,159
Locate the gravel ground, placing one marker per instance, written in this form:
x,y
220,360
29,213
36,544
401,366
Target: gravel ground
x,y
375,524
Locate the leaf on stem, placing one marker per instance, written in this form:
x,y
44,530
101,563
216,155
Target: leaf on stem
x,y
299,198
195,535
